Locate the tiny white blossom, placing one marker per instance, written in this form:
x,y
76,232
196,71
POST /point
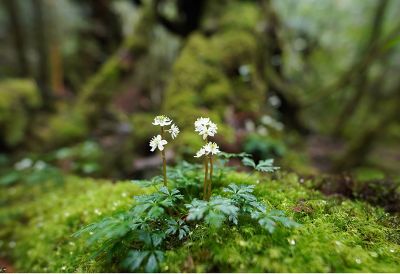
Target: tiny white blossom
x,y
39,165
212,148
209,148
205,127
162,120
174,131
157,142
212,129
23,164
201,122
200,153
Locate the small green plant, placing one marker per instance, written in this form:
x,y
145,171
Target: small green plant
x,y
140,233
157,222
139,237
158,142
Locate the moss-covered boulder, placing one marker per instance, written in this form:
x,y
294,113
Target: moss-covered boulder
x,y
37,221
18,97
217,70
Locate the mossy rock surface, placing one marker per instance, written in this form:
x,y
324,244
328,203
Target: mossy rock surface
x,y
18,97
37,221
213,71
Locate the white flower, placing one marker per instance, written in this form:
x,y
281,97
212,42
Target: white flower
x,y
201,122
23,164
212,129
200,153
174,131
212,148
205,127
209,148
157,142
162,120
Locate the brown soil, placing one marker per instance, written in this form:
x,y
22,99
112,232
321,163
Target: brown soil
x,y
6,267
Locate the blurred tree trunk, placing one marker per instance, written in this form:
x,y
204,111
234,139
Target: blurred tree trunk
x,y
43,74
17,33
290,108
107,30
361,146
55,53
189,16
97,92
56,64
105,26
361,77
386,112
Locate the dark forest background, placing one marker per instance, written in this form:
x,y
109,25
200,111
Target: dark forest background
x,y
313,84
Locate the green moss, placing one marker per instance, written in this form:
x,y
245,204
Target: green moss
x,y
36,223
335,237
17,98
248,19
67,127
38,229
364,174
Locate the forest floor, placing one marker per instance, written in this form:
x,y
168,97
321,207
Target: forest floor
x,y
6,266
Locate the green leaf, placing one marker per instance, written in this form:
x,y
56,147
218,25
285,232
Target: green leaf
x,y
134,259
10,178
177,227
268,219
214,212
266,166
152,264
233,155
249,162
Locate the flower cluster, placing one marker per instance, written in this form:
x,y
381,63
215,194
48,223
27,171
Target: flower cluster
x,y
209,148
162,121
205,127
158,141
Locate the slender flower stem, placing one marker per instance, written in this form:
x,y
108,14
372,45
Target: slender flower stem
x,y
211,173
205,175
205,178
164,160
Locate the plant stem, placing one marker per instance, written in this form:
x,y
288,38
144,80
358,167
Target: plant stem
x,y
211,173
163,159
205,177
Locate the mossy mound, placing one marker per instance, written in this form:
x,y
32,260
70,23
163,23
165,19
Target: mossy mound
x,y
37,222
18,97
213,71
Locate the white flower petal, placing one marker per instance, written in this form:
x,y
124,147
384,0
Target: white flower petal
x,y
157,142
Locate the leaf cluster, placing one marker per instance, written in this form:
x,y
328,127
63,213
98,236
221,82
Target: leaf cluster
x,y
262,166
239,201
144,228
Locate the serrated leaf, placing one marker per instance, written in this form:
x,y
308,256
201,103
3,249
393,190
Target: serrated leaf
x,y
233,155
266,166
248,162
267,224
214,212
